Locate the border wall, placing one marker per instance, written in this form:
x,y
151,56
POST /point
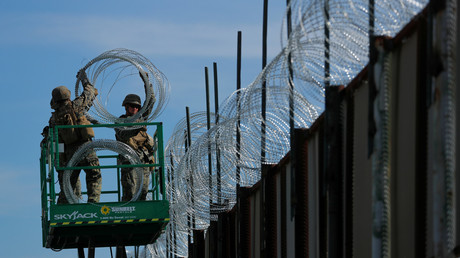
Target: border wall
x,y
370,177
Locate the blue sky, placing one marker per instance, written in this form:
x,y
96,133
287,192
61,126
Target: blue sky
x,y
44,43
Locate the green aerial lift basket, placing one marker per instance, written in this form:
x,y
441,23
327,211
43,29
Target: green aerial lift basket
x,y
103,224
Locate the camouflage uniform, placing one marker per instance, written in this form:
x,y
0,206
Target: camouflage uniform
x,y
142,143
73,112
138,140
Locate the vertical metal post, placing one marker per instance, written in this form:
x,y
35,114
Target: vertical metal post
x,y
371,18
349,168
170,235
161,157
188,143
172,225
119,184
54,160
372,88
120,252
264,119
81,252
422,100
291,112
291,73
457,113
91,251
208,109
216,92
44,193
299,152
218,176
327,69
324,180
238,141
264,84
216,104
238,93
208,126
333,171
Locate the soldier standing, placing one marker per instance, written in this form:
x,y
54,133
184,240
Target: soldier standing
x,y
67,112
138,139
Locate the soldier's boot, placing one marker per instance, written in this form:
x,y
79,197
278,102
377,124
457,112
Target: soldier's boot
x,y
61,198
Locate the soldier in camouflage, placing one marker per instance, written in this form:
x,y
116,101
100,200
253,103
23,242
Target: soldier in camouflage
x,y
67,112
141,142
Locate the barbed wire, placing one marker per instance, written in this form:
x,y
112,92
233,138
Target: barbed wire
x,y
125,63
328,45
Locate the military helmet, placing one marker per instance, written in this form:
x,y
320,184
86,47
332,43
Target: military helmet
x,y
132,99
60,93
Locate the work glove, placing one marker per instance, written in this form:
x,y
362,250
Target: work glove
x,y
143,74
147,83
150,98
83,77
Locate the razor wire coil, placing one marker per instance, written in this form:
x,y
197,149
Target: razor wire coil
x,y
131,62
121,148
315,59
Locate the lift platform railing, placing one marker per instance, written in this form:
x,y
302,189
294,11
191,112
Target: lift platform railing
x,y
62,221
51,150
